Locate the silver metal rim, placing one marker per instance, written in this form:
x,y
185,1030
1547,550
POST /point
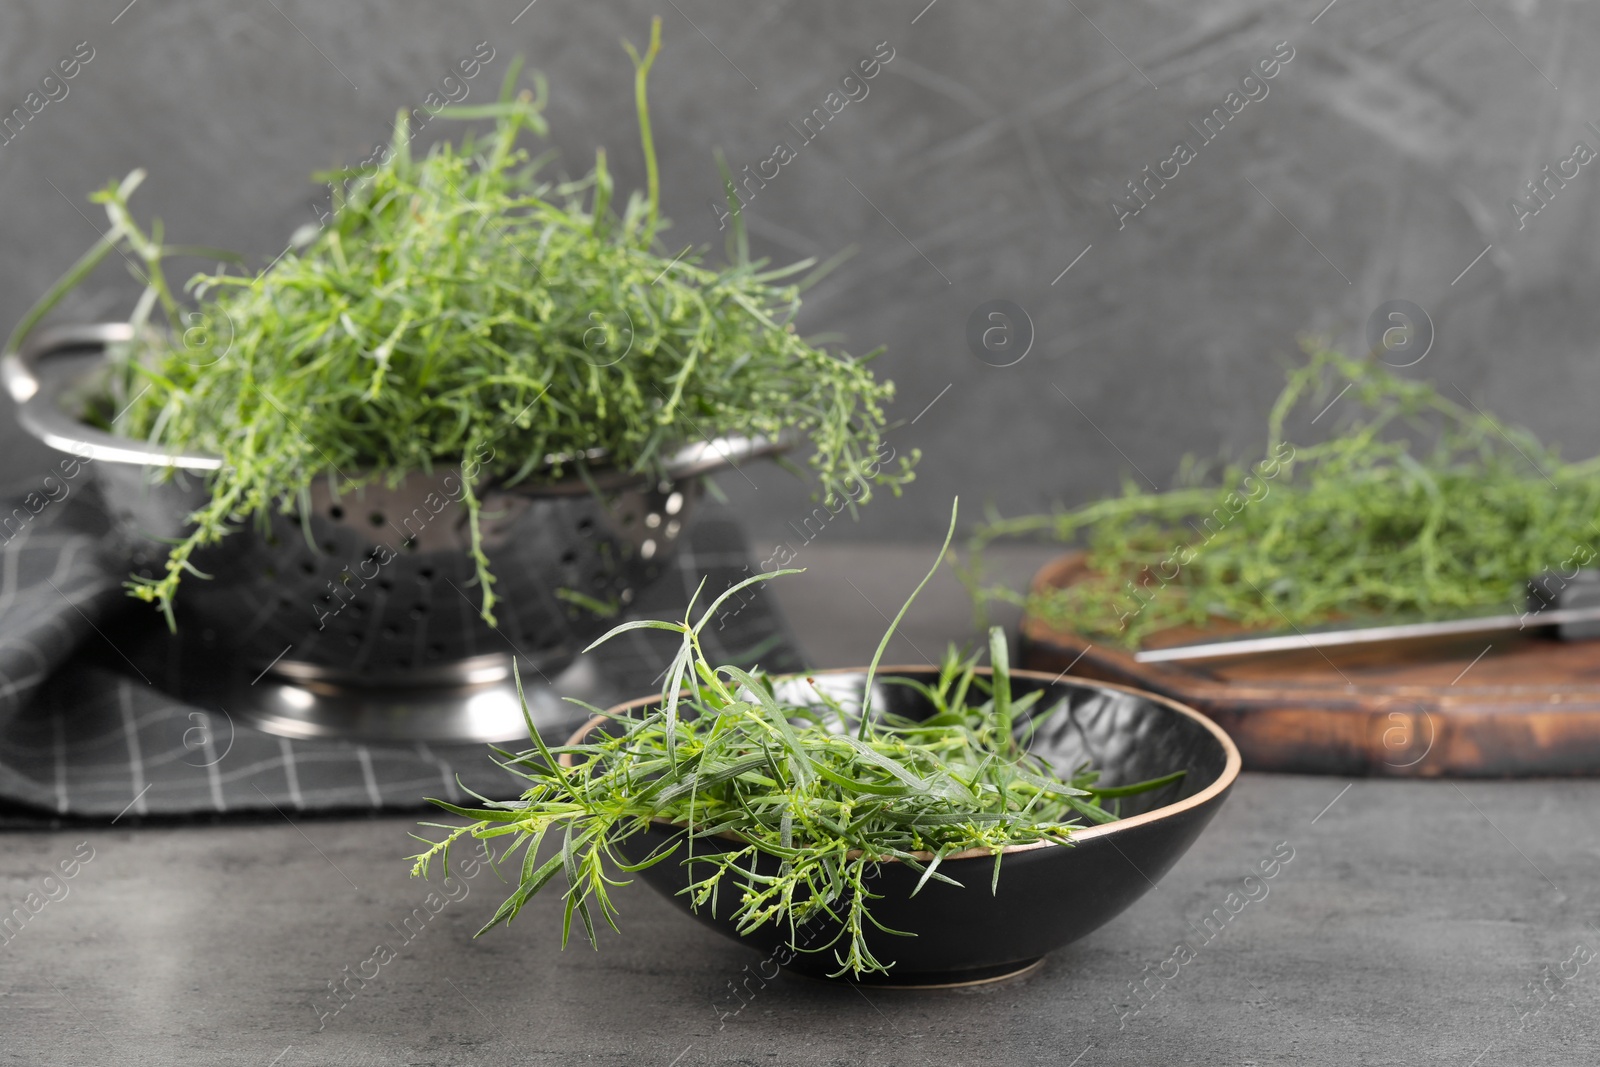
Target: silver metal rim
x,y
486,711
40,412
488,669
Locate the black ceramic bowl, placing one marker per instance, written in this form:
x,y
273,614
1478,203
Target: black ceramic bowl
x,y
1048,894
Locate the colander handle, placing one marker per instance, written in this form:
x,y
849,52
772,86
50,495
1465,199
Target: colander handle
x,y
17,369
41,396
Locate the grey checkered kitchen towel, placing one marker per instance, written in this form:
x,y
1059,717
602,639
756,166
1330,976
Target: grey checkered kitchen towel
x,y
84,732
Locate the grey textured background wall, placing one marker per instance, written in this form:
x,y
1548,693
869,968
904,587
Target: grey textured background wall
x,y
983,162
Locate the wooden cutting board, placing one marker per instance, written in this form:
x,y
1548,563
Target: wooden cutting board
x,y
1491,705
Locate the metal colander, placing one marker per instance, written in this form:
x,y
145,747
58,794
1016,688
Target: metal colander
x,y
375,586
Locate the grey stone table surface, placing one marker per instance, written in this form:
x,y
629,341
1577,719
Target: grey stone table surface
x,y
1416,922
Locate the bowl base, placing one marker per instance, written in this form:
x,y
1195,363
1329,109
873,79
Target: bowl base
x,y
1003,972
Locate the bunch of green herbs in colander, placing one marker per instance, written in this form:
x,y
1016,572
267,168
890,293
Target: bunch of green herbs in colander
x,y
827,791
460,308
1417,503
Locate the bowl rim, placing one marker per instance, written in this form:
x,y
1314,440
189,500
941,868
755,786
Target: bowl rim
x,y
1220,785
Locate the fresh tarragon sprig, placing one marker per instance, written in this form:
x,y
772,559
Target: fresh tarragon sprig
x,y
462,308
829,791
